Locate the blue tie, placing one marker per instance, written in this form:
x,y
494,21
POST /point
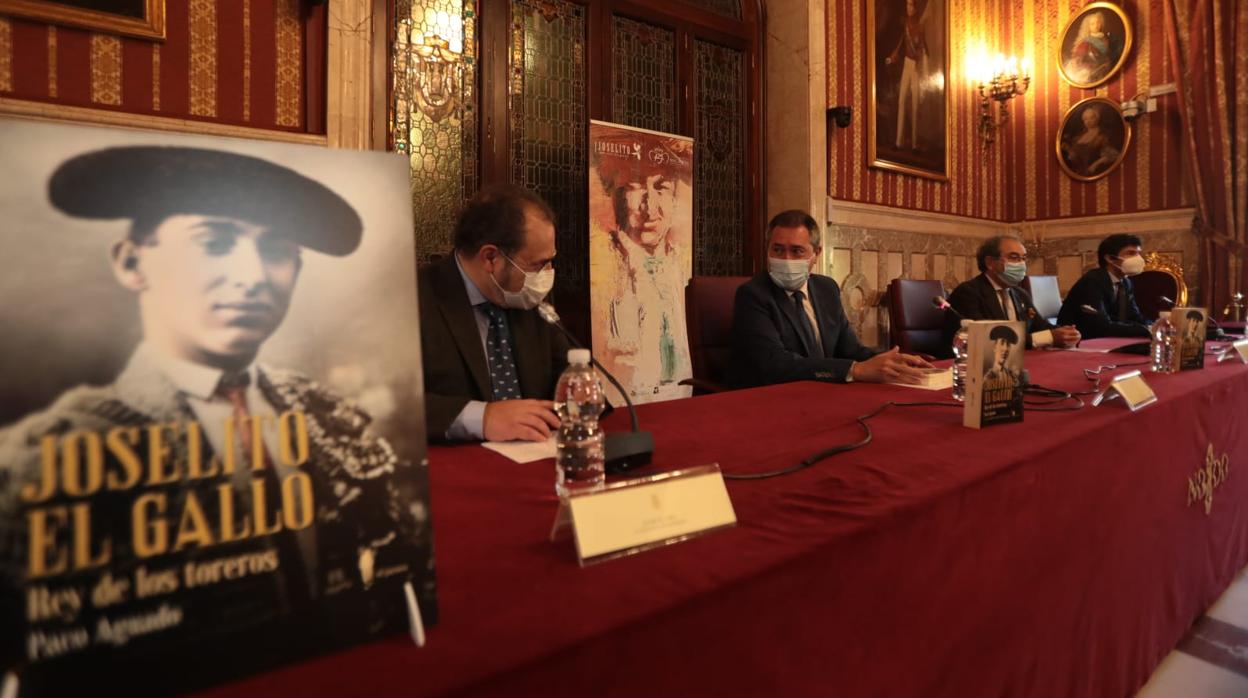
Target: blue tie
x,y
498,353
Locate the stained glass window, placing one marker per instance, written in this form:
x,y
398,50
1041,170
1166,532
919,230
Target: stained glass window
x,y
549,123
434,113
720,161
643,75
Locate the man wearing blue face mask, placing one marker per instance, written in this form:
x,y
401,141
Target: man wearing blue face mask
x,y
995,295
789,325
490,363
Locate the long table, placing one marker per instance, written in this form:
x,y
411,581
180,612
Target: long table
x,y
1062,556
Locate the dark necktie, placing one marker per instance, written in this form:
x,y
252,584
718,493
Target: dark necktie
x,y
503,378
291,580
803,321
1121,300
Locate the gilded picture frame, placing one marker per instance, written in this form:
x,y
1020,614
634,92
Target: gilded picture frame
x,y
908,76
1094,45
1093,139
144,19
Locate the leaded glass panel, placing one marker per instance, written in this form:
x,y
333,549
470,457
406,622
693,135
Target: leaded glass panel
x,y
549,123
720,161
434,113
643,75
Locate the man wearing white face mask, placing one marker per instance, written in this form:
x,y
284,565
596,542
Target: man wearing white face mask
x,y
1109,291
995,295
789,325
490,363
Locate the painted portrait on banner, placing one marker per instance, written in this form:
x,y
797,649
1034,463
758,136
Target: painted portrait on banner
x,y
212,448
1093,139
908,74
640,257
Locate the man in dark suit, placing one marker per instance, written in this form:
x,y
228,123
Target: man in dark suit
x,y
995,295
490,362
1108,291
789,325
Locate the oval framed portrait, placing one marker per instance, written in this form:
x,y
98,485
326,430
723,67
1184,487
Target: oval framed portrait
x,y
1093,139
1094,45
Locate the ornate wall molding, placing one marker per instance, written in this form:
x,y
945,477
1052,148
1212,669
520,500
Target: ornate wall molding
x,y
1100,226
860,215
102,117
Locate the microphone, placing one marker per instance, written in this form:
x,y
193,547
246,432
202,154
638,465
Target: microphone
x,y
1166,299
1089,310
623,452
943,304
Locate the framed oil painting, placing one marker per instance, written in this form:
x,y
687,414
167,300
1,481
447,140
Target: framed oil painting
x,y
1093,139
908,79
1095,45
141,18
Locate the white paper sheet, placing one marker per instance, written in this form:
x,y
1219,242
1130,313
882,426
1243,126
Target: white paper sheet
x,y
523,451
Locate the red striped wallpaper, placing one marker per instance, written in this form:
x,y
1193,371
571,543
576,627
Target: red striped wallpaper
x,y
1017,178
239,62
1150,177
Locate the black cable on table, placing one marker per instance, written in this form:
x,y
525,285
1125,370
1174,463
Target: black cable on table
x,y
840,448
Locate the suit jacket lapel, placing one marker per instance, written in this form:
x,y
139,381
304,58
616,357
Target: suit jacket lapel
x,y
991,299
789,311
453,303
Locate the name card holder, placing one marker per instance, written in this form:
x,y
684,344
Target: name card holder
x,y
1238,349
1133,390
630,516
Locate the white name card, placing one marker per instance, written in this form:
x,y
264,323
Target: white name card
x,y
1133,390
1237,350
630,516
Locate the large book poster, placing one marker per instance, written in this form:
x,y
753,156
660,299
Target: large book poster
x,y
212,448
994,370
640,258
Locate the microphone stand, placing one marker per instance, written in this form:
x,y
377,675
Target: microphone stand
x,y
622,451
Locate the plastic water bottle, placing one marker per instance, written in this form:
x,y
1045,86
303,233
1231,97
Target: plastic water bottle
x,y
579,459
1165,337
959,362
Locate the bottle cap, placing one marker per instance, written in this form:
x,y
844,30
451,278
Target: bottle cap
x,y
579,357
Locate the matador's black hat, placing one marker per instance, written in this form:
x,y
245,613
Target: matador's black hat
x,y
1003,332
153,182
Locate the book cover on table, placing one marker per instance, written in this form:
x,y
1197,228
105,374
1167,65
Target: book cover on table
x,y
1190,324
994,370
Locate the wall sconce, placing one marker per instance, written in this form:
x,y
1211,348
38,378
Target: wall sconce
x,y
1007,81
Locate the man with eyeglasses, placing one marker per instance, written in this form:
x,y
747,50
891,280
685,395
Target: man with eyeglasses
x,y
995,295
490,363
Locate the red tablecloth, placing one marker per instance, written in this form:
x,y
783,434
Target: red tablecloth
x,y
1056,557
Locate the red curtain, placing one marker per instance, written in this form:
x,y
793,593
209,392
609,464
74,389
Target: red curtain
x,y
1208,41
